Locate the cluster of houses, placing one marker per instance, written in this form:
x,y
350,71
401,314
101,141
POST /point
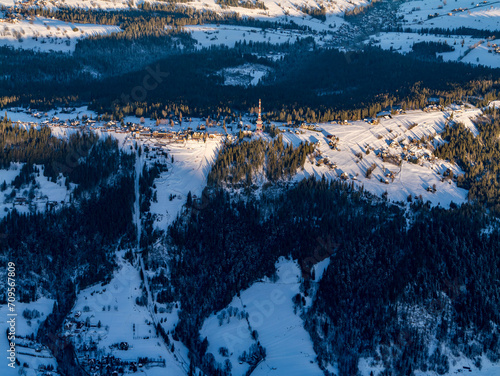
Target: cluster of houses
x,y
137,131
12,18
311,127
432,107
24,201
93,359
410,152
177,136
29,343
332,142
110,365
323,161
27,347
26,4
345,176
455,10
494,48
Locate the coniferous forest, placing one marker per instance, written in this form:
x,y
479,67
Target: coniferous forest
x,y
380,271
411,285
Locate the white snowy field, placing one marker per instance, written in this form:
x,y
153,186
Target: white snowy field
x,y
24,328
214,35
84,4
470,50
290,8
113,305
463,366
282,11
280,329
45,34
482,15
458,366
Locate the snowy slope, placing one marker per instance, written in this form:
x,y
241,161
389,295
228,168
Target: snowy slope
x,y
281,11
24,349
420,14
269,308
46,34
46,191
213,35
244,75
274,8
409,178
188,173
482,15
192,158
467,49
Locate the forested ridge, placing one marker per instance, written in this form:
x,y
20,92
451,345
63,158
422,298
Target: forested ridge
x,y
83,158
246,160
381,272
478,156
63,249
308,84
103,178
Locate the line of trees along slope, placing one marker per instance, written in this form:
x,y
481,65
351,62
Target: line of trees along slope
x,y
84,158
241,162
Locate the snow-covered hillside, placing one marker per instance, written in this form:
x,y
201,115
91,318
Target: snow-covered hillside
x,y
272,8
58,36
361,145
36,197
28,318
244,75
114,317
427,14
466,49
228,35
188,166
266,308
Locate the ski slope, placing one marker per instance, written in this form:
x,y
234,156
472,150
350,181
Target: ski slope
x,y
192,161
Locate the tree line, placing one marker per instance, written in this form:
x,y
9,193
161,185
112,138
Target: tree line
x,y
478,156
